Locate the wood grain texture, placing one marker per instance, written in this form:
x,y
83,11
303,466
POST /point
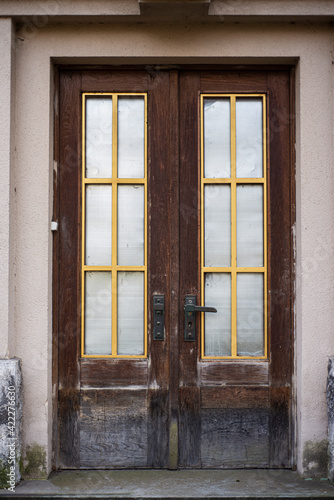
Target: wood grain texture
x,y
189,220
235,397
190,427
232,373
174,228
158,428
235,438
280,234
234,81
189,396
279,427
113,373
69,269
159,263
115,80
281,120
113,430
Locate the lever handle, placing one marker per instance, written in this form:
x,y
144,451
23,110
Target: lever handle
x,y
205,309
190,309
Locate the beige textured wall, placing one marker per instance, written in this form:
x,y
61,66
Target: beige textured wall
x,y
6,107
311,45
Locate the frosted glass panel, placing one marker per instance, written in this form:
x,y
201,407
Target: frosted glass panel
x,y
131,225
217,225
98,313
217,291
249,225
250,322
131,132
130,311
249,137
217,138
98,225
99,137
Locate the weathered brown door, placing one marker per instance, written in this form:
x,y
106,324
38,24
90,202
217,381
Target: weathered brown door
x,y
173,186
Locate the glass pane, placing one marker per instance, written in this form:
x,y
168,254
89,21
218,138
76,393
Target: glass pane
x,y
98,313
99,137
217,138
250,322
217,225
98,225
249,225
131,215
218,325
131,133
249,137
130,312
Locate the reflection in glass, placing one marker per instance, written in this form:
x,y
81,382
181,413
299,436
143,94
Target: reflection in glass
x,y
130,312
98,225
98,137
249,137
250,314
217,225
217,290
131,133
131,225
217,138
97,313
250,225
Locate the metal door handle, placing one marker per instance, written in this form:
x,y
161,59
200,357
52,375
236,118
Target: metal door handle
x,y
205,309
190,309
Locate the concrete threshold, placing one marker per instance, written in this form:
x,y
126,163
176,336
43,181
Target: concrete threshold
x,y
179,485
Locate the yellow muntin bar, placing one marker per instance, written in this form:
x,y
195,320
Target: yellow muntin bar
x,y
145,230
83,224
114,226
114,268
265,224
229,269
114,181
233,231
238,180
232,95
202,225
110,356
236,358
112,94
234,269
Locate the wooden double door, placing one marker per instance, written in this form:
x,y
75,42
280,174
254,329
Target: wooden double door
x,y
173,189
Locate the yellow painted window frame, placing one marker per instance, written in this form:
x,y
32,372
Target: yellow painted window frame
x,y
233,270
114,181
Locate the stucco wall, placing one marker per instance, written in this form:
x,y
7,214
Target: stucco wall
x,y
311,47
6,194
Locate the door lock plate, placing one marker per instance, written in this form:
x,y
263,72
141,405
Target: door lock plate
x,y
158,317
190,318
190,309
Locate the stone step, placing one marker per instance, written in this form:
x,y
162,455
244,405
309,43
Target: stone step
x,y
182,485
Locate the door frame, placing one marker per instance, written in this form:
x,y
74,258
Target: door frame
x,y
174,228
